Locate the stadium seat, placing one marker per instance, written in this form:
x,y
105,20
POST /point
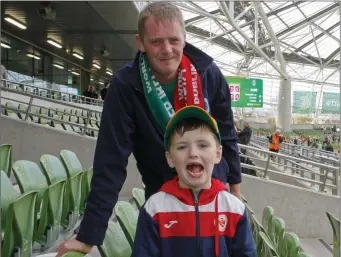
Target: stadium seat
x,y
6,158
71,162
86,181
291,245
265,247
55,171
335,223
300,254
276,232
268,213
115,243
12,113
18,220
127,218
138,195
49,200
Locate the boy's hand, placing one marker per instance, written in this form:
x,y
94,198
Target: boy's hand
x,y
235,190
73,245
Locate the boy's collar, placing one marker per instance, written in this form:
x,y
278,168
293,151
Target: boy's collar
x,y
185,195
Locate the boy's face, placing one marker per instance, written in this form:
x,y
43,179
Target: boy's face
x,y
193,155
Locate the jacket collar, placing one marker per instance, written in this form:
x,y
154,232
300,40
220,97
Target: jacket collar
x,y
200,60
185,195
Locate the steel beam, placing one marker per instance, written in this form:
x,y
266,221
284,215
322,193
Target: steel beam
x,y
231,20
273,37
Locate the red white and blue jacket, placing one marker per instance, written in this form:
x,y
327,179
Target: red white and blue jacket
x,y
176,223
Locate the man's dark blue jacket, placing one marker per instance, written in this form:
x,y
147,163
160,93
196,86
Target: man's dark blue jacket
x,y
128,126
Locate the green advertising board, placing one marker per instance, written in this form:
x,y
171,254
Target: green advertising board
x,y
304,102
246,92
331,103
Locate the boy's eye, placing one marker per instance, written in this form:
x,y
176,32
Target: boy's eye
x,y
181,147
202,145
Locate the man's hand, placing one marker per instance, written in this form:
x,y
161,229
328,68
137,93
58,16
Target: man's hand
x,y
73,245
235,190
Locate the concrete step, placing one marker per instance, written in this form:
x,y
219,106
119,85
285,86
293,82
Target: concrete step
x,y
316,247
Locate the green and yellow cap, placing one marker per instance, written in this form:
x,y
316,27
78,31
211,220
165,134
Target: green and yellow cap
x,y
191,111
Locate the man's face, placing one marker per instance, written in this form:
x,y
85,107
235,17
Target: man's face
x,y
193,155
163,43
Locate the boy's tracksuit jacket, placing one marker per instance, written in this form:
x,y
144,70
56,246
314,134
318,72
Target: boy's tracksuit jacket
x,y
176,223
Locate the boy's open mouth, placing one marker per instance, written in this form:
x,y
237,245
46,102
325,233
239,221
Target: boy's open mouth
x,y
195,169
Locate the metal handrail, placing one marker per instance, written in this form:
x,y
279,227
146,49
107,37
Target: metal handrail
x,y
98,102
47,99
27,112
326,172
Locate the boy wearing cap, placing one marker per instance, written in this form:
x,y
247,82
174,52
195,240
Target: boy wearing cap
x,y
193,214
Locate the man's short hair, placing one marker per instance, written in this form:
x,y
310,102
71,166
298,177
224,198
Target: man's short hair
x,y
160,11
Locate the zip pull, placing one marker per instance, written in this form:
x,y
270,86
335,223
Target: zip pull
x,y
196,199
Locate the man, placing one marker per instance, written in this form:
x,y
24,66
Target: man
x,y
3,75
104,90
275,141
244,136
166,75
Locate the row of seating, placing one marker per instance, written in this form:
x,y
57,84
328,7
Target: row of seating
x,y
63,117
53,94
270,236
50,201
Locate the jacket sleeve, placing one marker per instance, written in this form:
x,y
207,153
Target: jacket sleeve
x,y
221,110
147,241
242,242
114,145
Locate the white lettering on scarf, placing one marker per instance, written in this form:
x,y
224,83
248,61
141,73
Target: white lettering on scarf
x,y
145,76
169,108
195,85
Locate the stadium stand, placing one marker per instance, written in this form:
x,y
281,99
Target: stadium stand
x,y
52,198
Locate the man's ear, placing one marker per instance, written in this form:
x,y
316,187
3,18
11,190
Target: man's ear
x,y
139,43
169,160
219,154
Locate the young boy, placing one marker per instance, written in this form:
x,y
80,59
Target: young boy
x,y
193,215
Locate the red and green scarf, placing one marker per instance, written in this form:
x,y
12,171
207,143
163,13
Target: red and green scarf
x,y
188,90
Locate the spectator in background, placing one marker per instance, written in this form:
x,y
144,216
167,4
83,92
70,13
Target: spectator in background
x,y
329,147
244,136
4,75
236,125
87,93
275,141
104,90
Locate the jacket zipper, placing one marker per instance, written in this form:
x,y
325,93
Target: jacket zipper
x,y
197,220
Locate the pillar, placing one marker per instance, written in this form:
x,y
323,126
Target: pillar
x,y
284,106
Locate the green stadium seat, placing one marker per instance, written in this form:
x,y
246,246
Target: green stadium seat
x,y
256,227
127,218
291,245
72,164
115,243
86,181
336,234
49,200
276,232
12,113
268,213
18,220
265,247
138,195
55,171
6,158
302,254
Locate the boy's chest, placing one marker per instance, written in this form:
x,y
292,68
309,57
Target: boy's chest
x,y
195,224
